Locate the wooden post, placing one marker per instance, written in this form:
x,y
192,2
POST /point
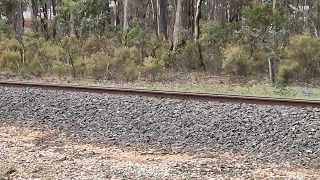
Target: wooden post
x,y
271,70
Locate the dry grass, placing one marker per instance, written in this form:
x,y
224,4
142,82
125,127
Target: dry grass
x,y
203,83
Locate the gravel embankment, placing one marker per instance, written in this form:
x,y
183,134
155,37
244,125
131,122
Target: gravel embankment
x,y
271,134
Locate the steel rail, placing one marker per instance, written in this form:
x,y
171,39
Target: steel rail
x,y
168,94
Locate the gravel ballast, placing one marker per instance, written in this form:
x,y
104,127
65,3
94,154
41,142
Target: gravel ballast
x,y
264,133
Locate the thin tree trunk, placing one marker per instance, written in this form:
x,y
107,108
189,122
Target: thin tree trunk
x,y
108,12
116,12
197,33
125,16
153,15
197,21
162,19
177,26
274,4
72,21
20,27
54,4
125,22
19,21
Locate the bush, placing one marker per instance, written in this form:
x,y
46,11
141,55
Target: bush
x,y
11,60
142,36
211,39
62,69
305,51
10,55
126,61
187,57
259,61
42,61
99,44
4,29
72,48
236,60
98,65
153,67
131,71
286,72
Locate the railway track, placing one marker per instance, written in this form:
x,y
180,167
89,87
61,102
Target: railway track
x,y
168,94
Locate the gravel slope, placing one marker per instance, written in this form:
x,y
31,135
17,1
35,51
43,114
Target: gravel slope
x,y
43,154
263,133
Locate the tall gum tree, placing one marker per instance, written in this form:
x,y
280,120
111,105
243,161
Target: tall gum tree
x,y
162,18
177,25
197,33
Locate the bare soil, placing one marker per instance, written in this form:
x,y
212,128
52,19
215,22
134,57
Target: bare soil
x,y
29,153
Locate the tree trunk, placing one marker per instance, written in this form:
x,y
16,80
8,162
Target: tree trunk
x,y
108,12
116,12
33,8
125,22
177,26
274,4
197,33
54,4
19,21
125,16
153,15
20,27
197,21
162,19
72,21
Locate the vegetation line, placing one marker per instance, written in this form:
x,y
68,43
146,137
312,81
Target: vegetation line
x,y
131,40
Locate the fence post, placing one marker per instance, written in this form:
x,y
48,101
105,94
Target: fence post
x,y
271,70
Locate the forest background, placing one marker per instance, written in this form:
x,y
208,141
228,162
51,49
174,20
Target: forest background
x,y
134,39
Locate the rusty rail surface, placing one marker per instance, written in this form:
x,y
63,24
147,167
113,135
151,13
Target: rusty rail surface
x,y
168,94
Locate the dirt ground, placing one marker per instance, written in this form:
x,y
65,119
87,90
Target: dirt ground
x,y
30,153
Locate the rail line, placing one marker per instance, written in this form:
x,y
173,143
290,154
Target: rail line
x,y
168,94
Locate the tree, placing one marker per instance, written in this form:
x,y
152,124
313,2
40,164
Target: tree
x,y
177,25
197,33
162,19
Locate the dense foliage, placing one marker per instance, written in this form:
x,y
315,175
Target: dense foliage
x,y
122,39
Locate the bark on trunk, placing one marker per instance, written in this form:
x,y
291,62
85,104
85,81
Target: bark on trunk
x,y
177,26
125,16
54,4
108,12
162,19
197,33
197,20
116,12
19,22
72,22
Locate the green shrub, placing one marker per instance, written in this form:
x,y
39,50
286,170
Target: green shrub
x,y
99,44
62,69
126,61
286,72
98,65
10,55
11,60
259,63
131,71
41,64
169,58
4,29
142,36
212,39
236,60
304,50
72,48
187,57
153,67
